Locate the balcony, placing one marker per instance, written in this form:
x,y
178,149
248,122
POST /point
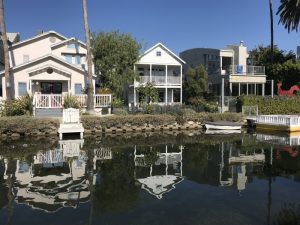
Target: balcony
x,y
244,70
161,80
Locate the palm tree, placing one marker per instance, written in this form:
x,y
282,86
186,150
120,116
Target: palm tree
x,y
6,54
289,12
90,99
272,31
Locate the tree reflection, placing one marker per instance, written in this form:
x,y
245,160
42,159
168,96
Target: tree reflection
x,y
117,190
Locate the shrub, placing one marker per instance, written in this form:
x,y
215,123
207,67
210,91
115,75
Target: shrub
x,y
269,105
120,112
116,102
70,101
18,107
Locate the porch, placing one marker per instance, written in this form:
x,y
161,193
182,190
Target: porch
x,y
52,104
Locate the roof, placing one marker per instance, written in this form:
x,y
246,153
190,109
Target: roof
x,y
50,56
67,40
37,37
165,48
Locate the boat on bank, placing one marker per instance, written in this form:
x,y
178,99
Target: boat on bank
x,y
222,125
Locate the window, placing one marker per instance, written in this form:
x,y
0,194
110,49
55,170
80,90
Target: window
x,y
78,89
68,58
73,59
72,45
158,53
77,59
22,87
25,58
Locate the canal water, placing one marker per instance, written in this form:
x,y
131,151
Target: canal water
x,y
151,179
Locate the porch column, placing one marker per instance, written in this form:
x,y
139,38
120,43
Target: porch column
x,y
230,89
181,95
247,90
166,83
180,84
239,89
263,90
272,88
134,91
254,89
172,95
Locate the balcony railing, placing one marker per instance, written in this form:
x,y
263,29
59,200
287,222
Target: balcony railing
x,y
161,80
47,101
244,70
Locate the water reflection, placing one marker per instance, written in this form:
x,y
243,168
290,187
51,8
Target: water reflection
x,y
115,177
157,177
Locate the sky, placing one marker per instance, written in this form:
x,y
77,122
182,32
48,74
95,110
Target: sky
x,y
178,24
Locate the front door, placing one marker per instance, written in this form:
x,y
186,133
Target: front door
x,y
51,88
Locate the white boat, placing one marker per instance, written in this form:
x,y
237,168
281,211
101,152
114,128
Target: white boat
x,y
223,131
222,125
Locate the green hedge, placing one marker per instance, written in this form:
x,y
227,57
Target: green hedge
x,y
91,122
269,105
28,125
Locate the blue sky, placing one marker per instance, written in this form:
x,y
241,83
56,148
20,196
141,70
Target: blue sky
x,y
178,24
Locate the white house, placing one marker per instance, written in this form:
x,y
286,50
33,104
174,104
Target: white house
x,y
231,65
48,66
163,68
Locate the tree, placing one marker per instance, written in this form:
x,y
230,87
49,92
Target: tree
x,y
90,99
6,54
272,30
284,67
289,12
196,83
115,54
261,55
148,93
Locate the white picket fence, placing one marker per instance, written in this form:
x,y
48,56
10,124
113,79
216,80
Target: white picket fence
x,y
286,120
50,101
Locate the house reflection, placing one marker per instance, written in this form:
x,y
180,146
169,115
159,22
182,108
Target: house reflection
x,y
162,174
236,166
55,178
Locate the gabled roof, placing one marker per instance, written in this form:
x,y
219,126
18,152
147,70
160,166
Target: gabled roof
x,y
37,37
165,48
50,56
68,40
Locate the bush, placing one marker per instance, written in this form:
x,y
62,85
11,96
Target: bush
x,y
18,107
116,102
120,112
269,105
70,101
204,105
24,125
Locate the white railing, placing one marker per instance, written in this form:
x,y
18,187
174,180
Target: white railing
x,y
174,80
284,120
161,80
48,101
245,70
56,101
71,115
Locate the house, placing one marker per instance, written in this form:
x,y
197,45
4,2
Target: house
x,y
163,68
231,63
48,66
